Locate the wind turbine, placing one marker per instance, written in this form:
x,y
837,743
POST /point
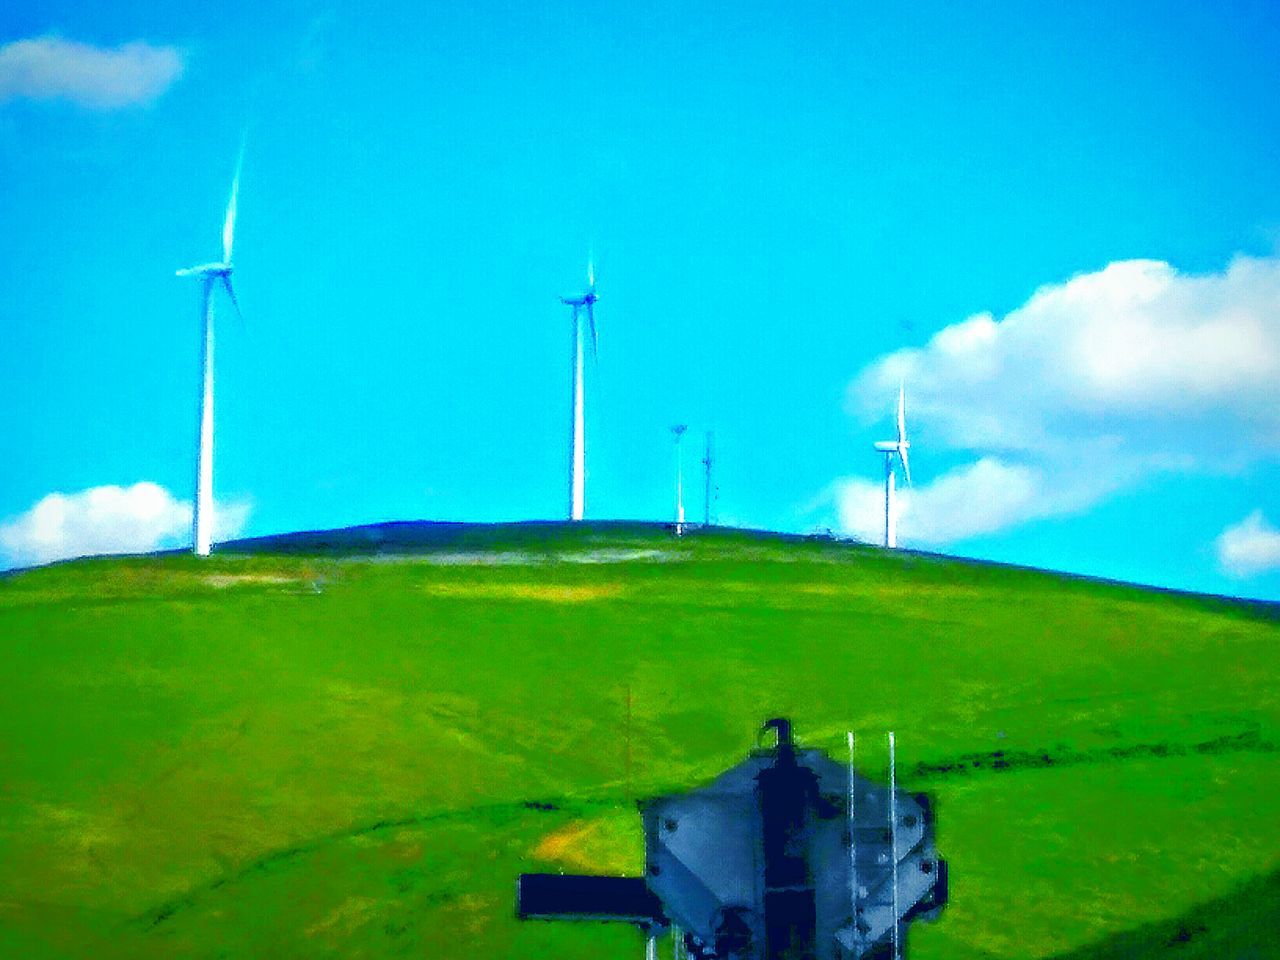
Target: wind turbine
x,y
890,449
577,448
211,275
678,431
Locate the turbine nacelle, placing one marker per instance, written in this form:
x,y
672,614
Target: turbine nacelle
x,y
891,446
212,273
206,270
586,302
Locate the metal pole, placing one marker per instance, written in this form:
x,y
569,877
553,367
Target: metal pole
x,y
706,516
853,853
893,839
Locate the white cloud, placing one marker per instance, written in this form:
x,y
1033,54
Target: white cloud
x,y
107,519
1138,355
1087,388
1249,547
968,501
45,68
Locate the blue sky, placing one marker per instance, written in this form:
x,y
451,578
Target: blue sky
x,y
787,203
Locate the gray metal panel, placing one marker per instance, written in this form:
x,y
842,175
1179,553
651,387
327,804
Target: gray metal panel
x,y
713,858
714,837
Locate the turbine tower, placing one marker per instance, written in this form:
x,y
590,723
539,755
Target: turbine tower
x,y
211,275
577,445
890,449
678,430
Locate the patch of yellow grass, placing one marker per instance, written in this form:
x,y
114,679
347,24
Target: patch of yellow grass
x,y
473,912
221,581
602,845
547,593
862,590
81,841
563,844
349,915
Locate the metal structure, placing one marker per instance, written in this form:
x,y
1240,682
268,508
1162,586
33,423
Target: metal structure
x,y
786,856
710,491
211,275
577,426
890,449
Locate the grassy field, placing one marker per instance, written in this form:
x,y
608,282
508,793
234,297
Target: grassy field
x,y
321,751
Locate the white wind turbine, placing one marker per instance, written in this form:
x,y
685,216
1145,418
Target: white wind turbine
x,y
211,275
890,449
577,447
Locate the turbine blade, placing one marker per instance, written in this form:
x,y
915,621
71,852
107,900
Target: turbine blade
x,y
595,337
229,225
591,271
902,413
226,283
906,463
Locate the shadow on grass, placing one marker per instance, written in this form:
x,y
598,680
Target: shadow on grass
x,y
497,812
1243,925
1248,741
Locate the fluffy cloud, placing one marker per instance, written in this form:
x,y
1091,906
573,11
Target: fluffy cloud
x,y
1087,388
108,519
45,68
1136,355
973,499
969,501
1249,547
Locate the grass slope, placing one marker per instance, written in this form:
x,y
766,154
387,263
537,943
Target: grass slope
x,y
349,745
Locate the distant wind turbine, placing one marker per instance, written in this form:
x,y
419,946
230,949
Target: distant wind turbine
x,y
577,448
211,275
678,431
708,461
890,449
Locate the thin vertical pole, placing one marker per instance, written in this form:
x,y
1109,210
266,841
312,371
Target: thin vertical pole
x,y
706,515
651,948
853,852
893,839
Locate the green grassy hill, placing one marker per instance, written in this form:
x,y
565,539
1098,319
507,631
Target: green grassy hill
x,y
349,745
